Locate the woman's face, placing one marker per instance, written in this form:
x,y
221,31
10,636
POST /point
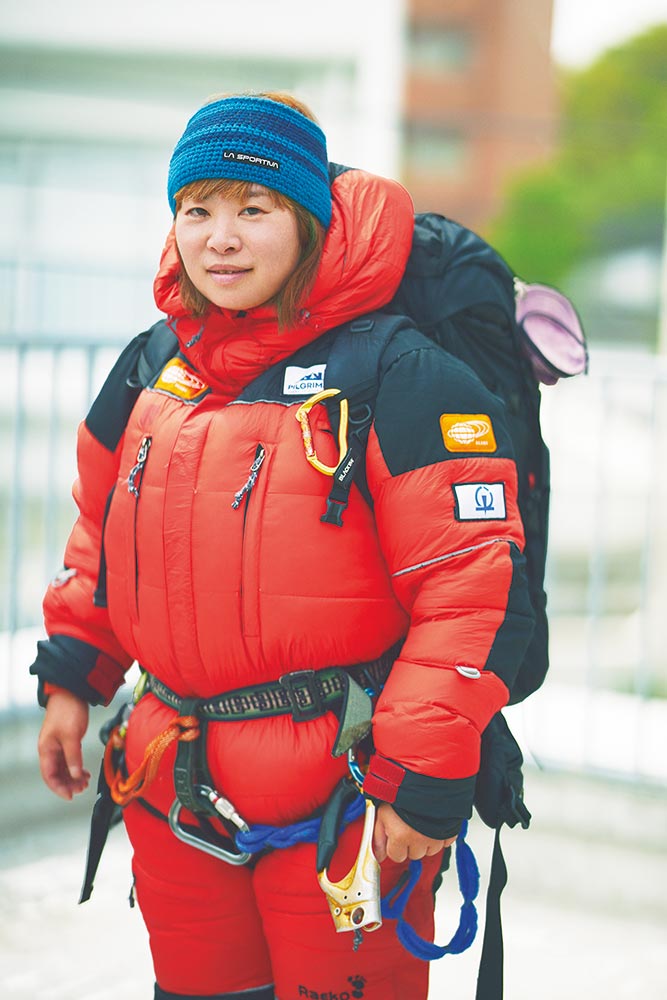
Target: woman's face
x,y
238,254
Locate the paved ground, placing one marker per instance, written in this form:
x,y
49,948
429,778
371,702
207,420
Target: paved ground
x,y
585,912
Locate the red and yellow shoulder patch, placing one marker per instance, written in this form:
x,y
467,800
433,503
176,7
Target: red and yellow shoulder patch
x,y
177,379
469,432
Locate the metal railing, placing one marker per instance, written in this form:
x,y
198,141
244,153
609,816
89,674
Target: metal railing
x,y
48,386
604,706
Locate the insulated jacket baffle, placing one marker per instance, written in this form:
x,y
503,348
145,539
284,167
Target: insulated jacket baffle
x,y
214,578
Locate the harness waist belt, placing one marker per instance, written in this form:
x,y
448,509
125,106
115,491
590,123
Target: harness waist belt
x,y
305,694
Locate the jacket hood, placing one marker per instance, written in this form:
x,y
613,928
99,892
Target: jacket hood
x,y
363,260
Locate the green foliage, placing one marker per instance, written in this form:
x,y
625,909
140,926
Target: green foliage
x,y
605,187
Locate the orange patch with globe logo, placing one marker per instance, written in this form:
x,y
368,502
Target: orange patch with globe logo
x,y
470,432
176,379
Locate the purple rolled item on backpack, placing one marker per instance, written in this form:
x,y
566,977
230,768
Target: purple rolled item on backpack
x,y
553,339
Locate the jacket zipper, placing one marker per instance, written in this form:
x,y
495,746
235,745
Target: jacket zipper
x,y
246,489
134,481
248,584
100,593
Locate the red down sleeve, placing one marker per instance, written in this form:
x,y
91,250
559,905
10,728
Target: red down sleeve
x,y
451,533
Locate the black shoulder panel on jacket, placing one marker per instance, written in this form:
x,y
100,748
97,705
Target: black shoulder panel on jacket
x,y
420,384
140,360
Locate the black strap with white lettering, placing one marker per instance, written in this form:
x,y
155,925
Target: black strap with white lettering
x,y
353,367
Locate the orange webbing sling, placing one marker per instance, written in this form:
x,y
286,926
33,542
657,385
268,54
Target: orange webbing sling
x,y
123,790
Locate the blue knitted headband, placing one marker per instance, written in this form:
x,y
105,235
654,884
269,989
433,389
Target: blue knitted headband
x,y
259,140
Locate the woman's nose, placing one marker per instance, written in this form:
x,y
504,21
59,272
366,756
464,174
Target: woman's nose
x,y
224,237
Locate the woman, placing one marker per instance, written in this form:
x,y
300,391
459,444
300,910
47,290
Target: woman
x,y
200,552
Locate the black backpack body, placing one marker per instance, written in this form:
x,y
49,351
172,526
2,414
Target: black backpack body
x,y
460,293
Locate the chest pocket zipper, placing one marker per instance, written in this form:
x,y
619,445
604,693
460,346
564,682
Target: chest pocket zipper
x,y
137,472
134,481
251,480
249,583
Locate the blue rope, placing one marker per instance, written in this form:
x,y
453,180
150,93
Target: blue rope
x,y
304,832
394,903
396,900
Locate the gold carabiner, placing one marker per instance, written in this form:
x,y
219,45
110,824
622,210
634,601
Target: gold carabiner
x,y
302,416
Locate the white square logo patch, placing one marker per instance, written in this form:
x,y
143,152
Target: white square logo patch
x,y
303,381
480,501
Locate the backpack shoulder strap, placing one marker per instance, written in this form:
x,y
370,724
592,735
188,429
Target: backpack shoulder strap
x,y
353,366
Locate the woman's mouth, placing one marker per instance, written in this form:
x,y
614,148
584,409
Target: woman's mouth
x,y
227,275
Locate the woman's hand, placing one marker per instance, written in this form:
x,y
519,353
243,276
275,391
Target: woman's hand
x,y
59,745
394,839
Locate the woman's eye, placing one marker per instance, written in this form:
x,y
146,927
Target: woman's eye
x,y
252,210
196,211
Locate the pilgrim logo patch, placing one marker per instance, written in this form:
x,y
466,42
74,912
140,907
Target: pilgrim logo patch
x,y
178,380
480,501
470,432
303,381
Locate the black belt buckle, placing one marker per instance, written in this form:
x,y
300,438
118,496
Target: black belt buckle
x,y
300,686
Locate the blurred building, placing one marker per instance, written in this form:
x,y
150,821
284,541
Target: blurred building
x,y
479,101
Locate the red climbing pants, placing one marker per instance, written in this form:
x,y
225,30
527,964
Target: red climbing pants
x,y
215,928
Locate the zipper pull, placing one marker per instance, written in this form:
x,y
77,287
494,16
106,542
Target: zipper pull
x,y
252,478
136,474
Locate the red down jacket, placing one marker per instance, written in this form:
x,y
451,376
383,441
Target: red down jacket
x,y
210,597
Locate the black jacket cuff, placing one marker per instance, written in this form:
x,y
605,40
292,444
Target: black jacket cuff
x,y
78,667
435,807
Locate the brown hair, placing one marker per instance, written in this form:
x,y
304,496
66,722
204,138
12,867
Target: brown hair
x,y
310,232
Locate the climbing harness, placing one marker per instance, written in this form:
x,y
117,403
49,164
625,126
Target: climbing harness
x,y
355,900
305,694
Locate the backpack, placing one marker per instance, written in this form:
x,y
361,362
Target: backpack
x,y
461,294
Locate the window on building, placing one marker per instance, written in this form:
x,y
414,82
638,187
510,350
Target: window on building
x,y
438,48
432,150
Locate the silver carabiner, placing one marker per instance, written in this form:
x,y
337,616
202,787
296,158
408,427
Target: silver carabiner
x,y
225,809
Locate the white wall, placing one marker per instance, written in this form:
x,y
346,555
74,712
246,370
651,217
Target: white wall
x,y
354,43
92,100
